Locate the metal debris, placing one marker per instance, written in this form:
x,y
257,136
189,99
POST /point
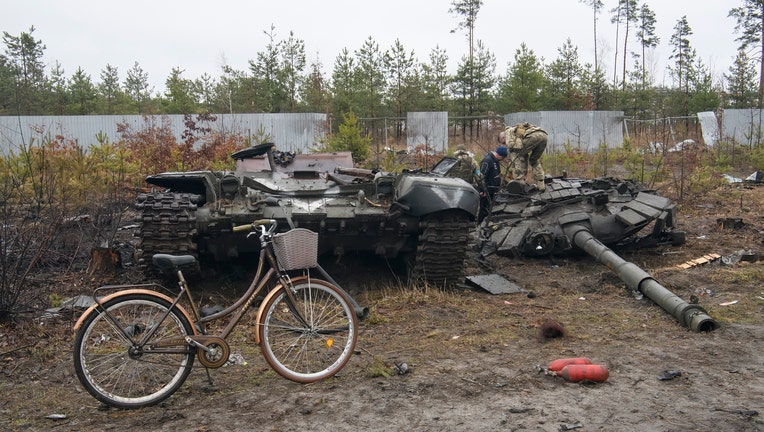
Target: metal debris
x,y
494,284
730,223
741,255
669,374
236,359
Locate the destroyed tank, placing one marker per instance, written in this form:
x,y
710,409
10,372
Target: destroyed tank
x,y
591,216
527,222
422,219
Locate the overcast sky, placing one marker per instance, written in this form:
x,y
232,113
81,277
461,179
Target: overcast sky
x,y
201,36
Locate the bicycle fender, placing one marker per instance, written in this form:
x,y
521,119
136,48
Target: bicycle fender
x,y
127,292
272,293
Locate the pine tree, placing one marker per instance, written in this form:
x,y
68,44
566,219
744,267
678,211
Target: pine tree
x,y
267,76
83,93
343,88
519,89
742,86
750,24
683,55
400,74
137,88
24,57
435,80
109,89
370,79
562,89
349,138
293,66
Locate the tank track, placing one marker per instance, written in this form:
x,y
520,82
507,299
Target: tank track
x,y
442,248
167,225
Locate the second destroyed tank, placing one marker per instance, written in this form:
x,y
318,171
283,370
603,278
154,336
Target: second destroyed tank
x,y
591,216
527,222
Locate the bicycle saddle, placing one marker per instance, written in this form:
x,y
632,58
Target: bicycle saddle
x,y
168,262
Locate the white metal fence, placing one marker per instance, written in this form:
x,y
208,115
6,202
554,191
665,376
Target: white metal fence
x,y
583,130
298,132
302,132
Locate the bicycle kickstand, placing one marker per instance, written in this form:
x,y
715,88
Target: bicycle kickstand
x,y
209,377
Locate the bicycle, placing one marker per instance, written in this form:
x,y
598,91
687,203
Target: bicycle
x,y
136,347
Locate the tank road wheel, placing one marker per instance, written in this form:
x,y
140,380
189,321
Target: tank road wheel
x,y
442,248
167,225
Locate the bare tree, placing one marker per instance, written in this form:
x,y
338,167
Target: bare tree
x,y
623,14
646,35
596,6
467,10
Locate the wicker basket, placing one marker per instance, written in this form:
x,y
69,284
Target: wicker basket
x,y
296,249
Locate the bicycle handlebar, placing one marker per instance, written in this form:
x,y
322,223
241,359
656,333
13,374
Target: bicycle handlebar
x,y
270,223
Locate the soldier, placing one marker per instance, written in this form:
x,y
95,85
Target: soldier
x,y
465,168
526,144
490,168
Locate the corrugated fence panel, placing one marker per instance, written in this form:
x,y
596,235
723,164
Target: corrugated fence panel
x,y
709,127
584,130
743,125
299,132
427,128
522,117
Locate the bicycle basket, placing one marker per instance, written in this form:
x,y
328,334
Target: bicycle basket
x,y
296,249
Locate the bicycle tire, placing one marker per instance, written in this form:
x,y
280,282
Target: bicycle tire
x,y
109,371
308,353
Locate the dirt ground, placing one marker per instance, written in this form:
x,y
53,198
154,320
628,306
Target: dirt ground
x,y
470,357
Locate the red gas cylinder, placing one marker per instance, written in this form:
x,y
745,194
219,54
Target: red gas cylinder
x,y
558,364
578,372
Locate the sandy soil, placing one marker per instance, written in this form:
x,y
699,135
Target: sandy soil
x,y
471,357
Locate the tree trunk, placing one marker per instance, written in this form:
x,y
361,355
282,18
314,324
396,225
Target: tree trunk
x,y
103,261
761,61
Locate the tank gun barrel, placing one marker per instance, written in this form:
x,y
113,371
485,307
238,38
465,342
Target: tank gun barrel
x,y
690,315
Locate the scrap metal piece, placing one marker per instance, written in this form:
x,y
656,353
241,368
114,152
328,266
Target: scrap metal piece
x,y
494,284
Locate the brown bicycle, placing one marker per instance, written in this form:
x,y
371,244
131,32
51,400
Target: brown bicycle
x,y
135,347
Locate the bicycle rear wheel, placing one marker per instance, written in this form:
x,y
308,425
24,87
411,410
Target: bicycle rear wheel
x,y
312,339
114,369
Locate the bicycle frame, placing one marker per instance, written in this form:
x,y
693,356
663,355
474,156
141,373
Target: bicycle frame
x,y
242,305
137,346
237,309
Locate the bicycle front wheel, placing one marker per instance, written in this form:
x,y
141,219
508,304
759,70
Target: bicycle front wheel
x,y
115,369
312,339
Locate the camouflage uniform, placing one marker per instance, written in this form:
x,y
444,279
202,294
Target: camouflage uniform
x,y
526,144
468,169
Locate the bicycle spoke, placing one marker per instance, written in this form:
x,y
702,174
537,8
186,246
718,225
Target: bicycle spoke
x,y
312,338
117,371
